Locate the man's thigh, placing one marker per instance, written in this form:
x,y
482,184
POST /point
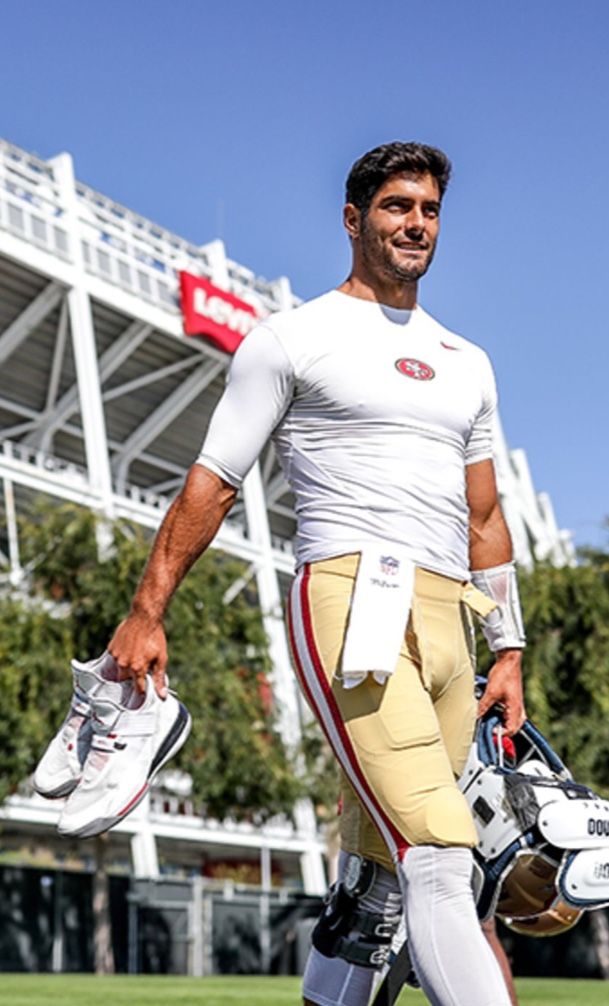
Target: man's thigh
x,y
445,644
387,737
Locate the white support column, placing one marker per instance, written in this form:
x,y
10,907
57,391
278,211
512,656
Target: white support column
x,y
85,353
284,681
196,964
284,291
143,844
311,862
16,572
216,254
518,531
528,505
58,352
285,688
266,868
563,550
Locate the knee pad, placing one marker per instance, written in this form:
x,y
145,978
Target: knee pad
x,y
354,924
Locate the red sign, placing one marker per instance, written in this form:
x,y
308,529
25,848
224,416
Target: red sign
x,y
214,313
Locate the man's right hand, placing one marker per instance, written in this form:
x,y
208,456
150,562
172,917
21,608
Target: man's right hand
x,y
139,647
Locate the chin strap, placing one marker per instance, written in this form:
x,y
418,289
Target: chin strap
x,y
502,628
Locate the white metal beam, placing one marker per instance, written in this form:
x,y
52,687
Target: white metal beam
x,y
83,345
238,585
58,353
21,410
281,510
196,830
16,571
64,482
122,348
34,313
168,485
8,432
269,462
276,488
283,678
284,681
144,852
150,378
163,464
110,360
161,417
114,445
19,250
68,483
151,459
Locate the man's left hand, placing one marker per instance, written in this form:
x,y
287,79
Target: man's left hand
x,y
504,688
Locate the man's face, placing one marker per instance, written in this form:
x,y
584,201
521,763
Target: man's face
x,y
398,234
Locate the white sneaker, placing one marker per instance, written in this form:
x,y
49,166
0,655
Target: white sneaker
x,y
60,768
129,747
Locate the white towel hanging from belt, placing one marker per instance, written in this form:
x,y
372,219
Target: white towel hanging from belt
x,y
380,606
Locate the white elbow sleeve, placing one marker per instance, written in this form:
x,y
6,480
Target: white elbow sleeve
x,y
503,628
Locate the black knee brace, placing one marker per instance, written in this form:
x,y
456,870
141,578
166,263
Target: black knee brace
x,y
344,929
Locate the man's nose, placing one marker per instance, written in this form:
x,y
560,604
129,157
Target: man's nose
x,y
415,221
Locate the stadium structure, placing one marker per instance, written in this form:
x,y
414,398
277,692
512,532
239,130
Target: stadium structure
x,y
115,336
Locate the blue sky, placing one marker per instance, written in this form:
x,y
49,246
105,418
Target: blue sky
x,y
243,119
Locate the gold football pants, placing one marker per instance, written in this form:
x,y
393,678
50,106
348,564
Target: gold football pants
x,y
401,745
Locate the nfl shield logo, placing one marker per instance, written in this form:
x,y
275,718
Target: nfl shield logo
x,y
389,565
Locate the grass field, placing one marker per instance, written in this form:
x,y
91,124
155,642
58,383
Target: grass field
x,y
87,990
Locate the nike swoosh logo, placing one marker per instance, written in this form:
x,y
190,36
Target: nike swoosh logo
x,y
446,346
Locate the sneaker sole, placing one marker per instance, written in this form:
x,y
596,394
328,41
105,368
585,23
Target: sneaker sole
x,y
64,790
176,737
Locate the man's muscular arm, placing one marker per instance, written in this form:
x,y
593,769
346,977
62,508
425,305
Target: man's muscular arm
x,y
139,644
491,545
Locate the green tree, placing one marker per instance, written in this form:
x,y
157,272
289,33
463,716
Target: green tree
x,y
35,687
566,662
219,660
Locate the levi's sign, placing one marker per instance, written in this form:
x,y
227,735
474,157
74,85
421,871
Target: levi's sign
x,y
214,313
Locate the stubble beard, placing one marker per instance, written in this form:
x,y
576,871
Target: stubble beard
x,y
379,261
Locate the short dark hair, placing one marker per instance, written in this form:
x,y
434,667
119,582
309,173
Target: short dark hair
x,y
374,168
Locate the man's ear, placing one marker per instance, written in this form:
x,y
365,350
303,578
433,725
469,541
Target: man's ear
x,y
352,219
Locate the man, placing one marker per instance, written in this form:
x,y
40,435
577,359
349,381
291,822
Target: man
x,y
382,421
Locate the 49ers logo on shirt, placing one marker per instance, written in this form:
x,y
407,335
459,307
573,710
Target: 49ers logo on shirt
x,y
416,369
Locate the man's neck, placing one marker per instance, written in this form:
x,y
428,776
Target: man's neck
x,y
402,296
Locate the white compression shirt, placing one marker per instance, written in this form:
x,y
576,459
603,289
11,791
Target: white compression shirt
x,y
374,413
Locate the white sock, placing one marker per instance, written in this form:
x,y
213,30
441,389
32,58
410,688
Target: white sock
x,y
451,957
